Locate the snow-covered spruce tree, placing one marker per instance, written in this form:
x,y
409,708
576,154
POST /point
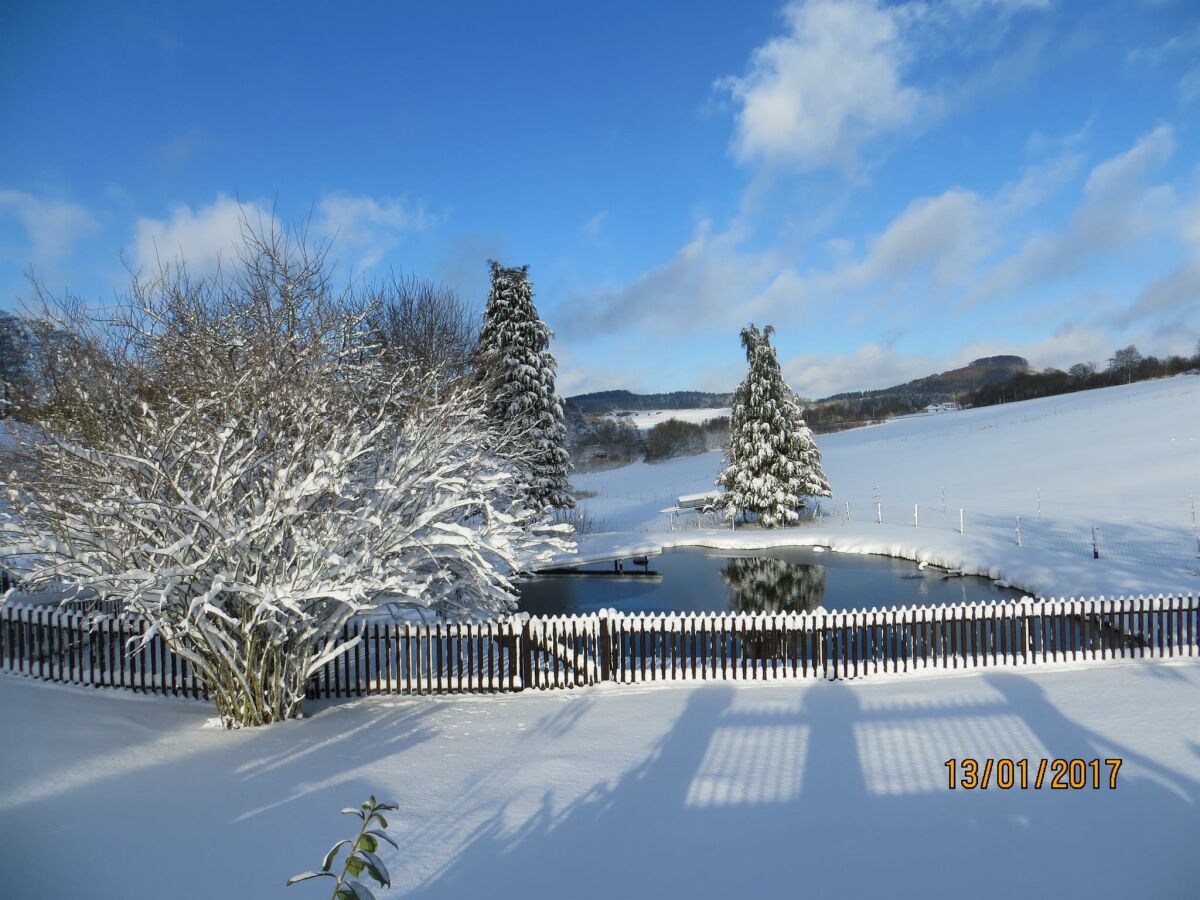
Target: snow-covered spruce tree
x,y
772,462
517,366
229,459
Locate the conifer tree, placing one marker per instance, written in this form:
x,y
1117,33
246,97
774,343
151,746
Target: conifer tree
x,y
516,360
773,462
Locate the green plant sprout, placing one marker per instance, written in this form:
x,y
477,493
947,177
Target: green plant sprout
x,y
361,857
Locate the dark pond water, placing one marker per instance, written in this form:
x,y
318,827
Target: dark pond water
x,y
782,580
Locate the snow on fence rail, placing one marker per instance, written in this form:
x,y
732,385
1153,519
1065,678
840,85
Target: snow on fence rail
x,y
565,652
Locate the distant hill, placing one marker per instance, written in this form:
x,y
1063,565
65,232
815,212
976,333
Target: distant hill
x,y
603,402
855,407
980,372
828,413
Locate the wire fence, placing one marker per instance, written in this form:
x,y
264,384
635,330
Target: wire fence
x,y
1158,544
1159,531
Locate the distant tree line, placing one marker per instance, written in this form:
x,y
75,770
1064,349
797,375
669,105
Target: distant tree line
x,y
1125,366
604,402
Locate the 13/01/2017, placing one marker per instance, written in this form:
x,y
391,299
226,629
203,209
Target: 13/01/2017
x,y
1009,774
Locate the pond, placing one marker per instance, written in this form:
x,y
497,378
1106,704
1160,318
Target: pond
x,y
790,579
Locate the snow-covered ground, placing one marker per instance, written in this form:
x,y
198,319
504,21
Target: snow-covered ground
x,y
647,419
797,790
701,790
1123,460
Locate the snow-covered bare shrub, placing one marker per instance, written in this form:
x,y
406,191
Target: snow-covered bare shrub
x,y
229,457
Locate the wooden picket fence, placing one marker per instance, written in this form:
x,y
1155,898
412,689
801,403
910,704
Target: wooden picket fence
x,y
521,653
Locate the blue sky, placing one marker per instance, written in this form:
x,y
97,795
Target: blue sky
x,y
898,188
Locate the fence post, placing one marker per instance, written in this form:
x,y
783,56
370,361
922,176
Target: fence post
x,y
878,512
1039,502
961,521
916,515
605,647
1018,531
525,654
1095,544
847,510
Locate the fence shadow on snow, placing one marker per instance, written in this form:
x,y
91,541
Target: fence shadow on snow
x,y
740,796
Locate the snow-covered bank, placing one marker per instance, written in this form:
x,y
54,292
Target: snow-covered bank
x,y
797,789
1122,460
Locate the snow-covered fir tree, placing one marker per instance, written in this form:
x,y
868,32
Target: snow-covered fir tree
x,y
773,462
515,357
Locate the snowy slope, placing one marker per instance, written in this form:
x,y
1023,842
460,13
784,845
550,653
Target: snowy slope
x,y
1123,460
795,790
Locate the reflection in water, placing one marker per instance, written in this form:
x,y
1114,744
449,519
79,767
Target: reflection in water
x,y
777,580
765,584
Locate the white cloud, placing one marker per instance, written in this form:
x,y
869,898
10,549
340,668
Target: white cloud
x,y
591,228
201,237
719,279
368,227
710,280
575,377
1183,42
1172,299
1037,182
834,80
842,75
52,226
941,234
365,227
1189,86
1118,209
915,273
871,365
1124,172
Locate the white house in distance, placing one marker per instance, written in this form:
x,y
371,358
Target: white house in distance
x,y
949,406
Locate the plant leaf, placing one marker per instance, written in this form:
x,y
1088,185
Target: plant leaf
x,y
361,891
367,842
383,837
377,869
383,823
305,876
355,866
328,863
348,811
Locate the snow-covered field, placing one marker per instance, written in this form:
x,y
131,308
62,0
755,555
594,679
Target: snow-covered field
x,y
647,419
1123,460
798,790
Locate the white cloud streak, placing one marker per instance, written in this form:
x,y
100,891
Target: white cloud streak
x,y
202,237
52,226
367,227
